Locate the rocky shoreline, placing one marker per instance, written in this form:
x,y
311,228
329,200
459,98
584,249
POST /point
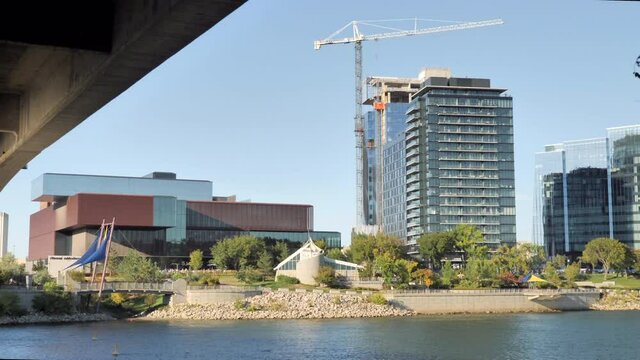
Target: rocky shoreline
x,y
281,305
615,300
52,319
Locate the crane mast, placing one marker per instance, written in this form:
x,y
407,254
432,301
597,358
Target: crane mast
x,y
357,38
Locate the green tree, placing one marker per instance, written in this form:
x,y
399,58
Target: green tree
x,y
281,251
365,248
394,270
469,240
195,260
10,269
434,246
41,277
551,274
609,252
237,252
265,262
335,253
628,263
559,261
447,275
321,244
479,271
572,272
135,267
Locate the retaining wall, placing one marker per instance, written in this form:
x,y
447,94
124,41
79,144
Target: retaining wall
x,y
494,301
218,296
25,296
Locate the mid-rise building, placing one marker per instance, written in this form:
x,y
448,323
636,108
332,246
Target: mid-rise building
x,y
587,189
459,159
4,233
159,215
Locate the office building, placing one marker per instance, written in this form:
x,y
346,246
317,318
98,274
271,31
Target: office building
x,y
459,159
4,233
587,189
159,215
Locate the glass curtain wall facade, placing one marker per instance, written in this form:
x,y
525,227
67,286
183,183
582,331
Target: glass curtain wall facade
x,y
587,189
459,159
371,168
394,196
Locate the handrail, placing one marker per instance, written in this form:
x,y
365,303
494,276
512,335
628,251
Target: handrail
x,y
492,291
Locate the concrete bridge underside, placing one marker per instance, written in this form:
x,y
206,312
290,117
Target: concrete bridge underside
x,y
57,68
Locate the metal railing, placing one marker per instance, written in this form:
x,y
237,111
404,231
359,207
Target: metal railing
x,y
125,287
493,291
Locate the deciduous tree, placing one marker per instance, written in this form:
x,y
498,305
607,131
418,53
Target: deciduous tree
x,y
195,260
434,246
609,252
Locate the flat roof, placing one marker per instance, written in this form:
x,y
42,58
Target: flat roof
x,y
52,186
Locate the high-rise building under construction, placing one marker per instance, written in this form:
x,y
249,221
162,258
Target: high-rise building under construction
x,y
449,162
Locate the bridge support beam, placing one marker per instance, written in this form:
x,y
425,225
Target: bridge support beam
x,y
47,89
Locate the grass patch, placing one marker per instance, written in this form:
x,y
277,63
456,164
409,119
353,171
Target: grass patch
x,y
630,282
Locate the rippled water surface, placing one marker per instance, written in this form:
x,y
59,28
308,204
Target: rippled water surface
x,y
578,335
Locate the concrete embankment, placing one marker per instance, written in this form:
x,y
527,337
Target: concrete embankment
x,y
618,300
493,301
282,305
52,319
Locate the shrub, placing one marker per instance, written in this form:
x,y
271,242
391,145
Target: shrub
x,y
41,277
10,305
377,299
239,304
150,299
287,280
208,279
326,276
277,306
250,276
179,275
77,276
135,267
118,298
53,303
51,287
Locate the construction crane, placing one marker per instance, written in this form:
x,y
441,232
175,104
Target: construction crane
x,y
357,37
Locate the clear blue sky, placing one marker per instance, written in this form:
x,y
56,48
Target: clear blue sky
x,y
252,107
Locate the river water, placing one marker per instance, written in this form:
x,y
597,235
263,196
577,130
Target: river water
x,y
571,335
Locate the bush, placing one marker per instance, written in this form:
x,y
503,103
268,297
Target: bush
x,y
287,280
250,276
77,276
208,279
118,298
52,287
150,299
137,268
326,276
179,275
377,299
41,277
53,303
10,305
239,304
